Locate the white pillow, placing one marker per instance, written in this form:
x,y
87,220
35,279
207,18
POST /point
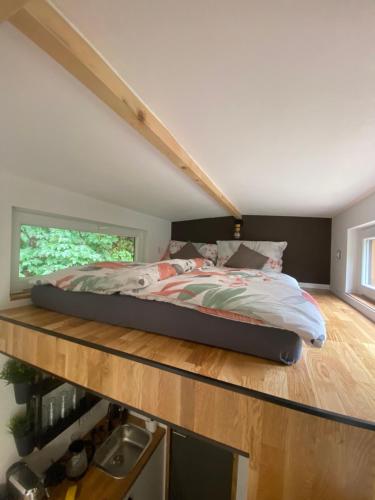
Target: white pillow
x,y
207,250
271,249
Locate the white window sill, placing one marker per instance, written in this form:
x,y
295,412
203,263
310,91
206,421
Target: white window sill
x,y
370,287
365,301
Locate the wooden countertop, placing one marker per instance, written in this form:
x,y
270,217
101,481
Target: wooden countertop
x,y
96,484
337,381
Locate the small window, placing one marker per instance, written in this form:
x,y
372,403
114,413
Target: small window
x,y
368,263
43,244
44,250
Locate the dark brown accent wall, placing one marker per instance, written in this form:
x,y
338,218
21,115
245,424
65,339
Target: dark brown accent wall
x,y
307,256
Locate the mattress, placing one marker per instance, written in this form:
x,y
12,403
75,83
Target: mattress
x,y
173,321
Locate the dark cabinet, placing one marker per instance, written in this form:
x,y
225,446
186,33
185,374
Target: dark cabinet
x,y
199,470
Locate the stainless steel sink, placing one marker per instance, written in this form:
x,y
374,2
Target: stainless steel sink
x,y
122,450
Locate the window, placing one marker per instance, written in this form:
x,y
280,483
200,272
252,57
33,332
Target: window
x,y
44,250
368,263
44,243
361,262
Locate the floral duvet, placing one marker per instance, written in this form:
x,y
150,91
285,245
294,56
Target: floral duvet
x,y
246,295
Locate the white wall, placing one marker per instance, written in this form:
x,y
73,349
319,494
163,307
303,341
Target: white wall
x,y
18,192
22,193
361,213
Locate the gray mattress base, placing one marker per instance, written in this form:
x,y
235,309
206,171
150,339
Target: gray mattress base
x,y
173,321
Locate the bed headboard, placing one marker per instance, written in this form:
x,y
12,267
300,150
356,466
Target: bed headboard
x,y
307,257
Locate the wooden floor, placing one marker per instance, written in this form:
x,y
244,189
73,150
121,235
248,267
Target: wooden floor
x,y
280,416
337,379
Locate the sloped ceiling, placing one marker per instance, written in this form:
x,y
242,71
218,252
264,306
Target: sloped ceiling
x,y
52,129
275,100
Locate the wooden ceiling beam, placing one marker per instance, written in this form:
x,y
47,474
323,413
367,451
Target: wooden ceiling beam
x,y
9,7
46,26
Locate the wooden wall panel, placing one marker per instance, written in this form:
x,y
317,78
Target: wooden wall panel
x,y
166,395
293,455
303,457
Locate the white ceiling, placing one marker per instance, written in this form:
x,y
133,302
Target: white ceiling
x,y
274,99
52,129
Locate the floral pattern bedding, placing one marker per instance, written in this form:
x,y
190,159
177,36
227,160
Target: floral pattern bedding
x,y
264,298
108,278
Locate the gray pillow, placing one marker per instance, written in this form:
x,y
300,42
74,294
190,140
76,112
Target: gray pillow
x,y
247,258
188,251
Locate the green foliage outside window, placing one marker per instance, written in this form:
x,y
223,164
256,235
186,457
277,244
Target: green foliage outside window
x,y
44,250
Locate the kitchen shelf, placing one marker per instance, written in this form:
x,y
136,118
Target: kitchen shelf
x,y
86,403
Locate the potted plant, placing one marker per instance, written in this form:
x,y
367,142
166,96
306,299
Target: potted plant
x,y
22,429
22,377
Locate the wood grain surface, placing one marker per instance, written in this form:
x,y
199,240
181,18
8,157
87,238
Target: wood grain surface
x,y
338,378
294,455
9,7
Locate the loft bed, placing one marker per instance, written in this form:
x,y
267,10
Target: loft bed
x,y
308,428
244,308
168,319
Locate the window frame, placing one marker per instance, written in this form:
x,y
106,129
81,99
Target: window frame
x,y
366,288
22,216
360,286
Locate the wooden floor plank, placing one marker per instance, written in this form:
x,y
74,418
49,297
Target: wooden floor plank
x,y
293,455
338,378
